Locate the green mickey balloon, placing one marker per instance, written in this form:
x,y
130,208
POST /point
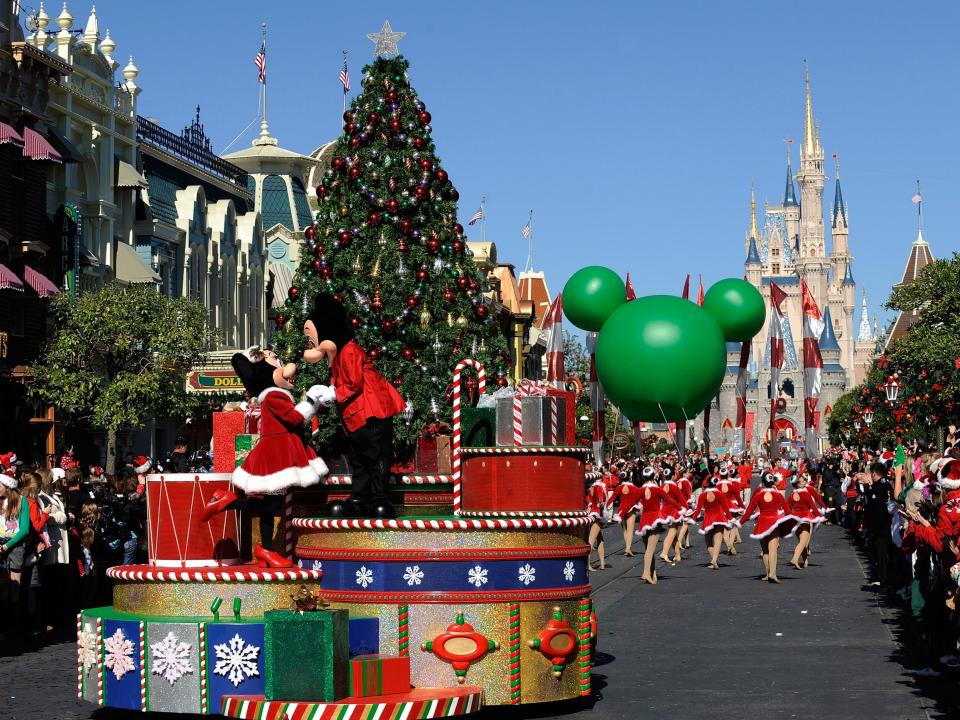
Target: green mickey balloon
x,y
738,307
660,358
591,295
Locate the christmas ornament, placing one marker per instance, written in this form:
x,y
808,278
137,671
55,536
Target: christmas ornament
x,y
412,302
338,164
373,354
448,294
449,319
388,326
374,219
385,42
407,353
376,303
425,319
280,320
406,226
441,176
402,245
343,240
433,245
310,232
319,249
293,293
401,269
461,320
481,312
382,241
375,272
354,173
426,165
393,206
356,264
315,265
322,191
423,275
502,382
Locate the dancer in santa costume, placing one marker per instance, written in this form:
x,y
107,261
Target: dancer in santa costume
x,y
773,521
599,513
671,513
366,403
281,459
730,488
651,521
713,505
804,508
629,495
683,534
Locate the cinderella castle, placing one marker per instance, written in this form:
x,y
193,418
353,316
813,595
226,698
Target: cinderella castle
x,y
792,245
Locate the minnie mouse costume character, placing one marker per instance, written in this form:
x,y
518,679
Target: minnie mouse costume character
x,y
365,401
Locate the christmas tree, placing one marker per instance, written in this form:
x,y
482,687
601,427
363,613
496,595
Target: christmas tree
x,y
386,242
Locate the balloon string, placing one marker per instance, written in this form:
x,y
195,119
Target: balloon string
x,y
674,438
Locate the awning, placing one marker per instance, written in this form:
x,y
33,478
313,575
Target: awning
x,y
9,281
10,136
39,282
131,269
36,147
68,151
128,177
282,280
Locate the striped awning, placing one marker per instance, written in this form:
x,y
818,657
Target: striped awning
x,y
36,147
282,280
9,281
40,283
10,136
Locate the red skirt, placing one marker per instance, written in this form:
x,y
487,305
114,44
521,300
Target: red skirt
x,y
771,525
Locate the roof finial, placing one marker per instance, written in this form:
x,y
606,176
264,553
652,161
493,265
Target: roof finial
x,y
865,334
918,201
789,195
809,128
754,226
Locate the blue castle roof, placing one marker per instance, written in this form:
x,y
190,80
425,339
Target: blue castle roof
x,y
828,340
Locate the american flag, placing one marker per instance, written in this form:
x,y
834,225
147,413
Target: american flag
x,y
478,215
261,62
525,231
345,78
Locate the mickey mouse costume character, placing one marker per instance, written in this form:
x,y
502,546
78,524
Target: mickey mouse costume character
x,y
281,459
365,401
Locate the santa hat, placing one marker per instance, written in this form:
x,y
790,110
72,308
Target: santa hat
x,y
649,473
8,481
142,463
96,471
667,472
948,473
722,471
769,479
8,464
58,473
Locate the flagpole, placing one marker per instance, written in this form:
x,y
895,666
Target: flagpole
x,y
483,217
264,128
344,86
530,243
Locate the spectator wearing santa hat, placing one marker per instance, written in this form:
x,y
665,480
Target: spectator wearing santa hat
x,y
14,530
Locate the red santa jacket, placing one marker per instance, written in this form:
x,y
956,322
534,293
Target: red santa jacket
x,y
362,393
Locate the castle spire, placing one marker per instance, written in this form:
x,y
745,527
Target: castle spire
x,y
839,209
810,136
789,195
865,334
754,226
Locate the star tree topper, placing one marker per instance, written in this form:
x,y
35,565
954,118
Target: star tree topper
x,y
386,41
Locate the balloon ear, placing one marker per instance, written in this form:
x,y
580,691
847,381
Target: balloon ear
x,y
738,308
591,295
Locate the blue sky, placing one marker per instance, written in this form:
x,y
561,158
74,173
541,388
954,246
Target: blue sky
x,y
633,129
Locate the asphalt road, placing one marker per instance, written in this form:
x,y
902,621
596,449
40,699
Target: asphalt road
x,y
699,645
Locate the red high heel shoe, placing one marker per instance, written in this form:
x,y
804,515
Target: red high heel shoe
x,y
268,558
217,503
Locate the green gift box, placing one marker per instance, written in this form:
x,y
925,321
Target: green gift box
x,y
478,427
242,445
306,655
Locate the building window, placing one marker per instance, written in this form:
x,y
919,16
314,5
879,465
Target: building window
x,y
275,205
300,203
776,268
776,252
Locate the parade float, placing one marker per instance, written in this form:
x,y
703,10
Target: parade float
x,y
466,586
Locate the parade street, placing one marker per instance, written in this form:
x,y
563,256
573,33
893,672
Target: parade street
x,y
700,644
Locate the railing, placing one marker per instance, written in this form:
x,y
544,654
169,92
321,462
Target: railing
x,y
150,133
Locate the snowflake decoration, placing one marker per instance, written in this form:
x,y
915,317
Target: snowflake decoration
x,y
364,577
88,649
569,571
118,651
527,574
236,660
170,659
413,575
477,575
317,565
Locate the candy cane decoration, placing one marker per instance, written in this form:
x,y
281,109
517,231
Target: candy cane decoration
x,y
79,656
203,668
585,646
143,668
99,661
403,630
481,387
517,420
288,544
514,653
554,423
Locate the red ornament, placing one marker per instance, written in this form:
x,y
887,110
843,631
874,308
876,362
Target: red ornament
x,y
433,245
374,218
441,176
458,228
462,283
423,275
419,143
406,227
502,381
376,302
425,164
393,206
350,127
347,116
402,245
355,142
397,381
293,293
424,117
407,353
338,163
326,273
388,326
453,194
310,232
474,285
481,312
280,320
395,124
373,118
392,96
412,301
354,172
457,246
344,239
338,297
322,191
373,354
448,295
420,193
355,321
319,249
315,265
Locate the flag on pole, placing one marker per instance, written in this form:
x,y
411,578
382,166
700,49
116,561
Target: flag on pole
x,y
812,366
345,77
686,288
700,293
553,322
525,230
777,296
261,62
478,215
597,401
743,375
631,294
917,199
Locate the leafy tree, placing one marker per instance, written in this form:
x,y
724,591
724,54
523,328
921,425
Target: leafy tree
x,y
119,355
386,241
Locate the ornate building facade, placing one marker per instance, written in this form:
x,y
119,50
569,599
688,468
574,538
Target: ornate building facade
x,y
792,246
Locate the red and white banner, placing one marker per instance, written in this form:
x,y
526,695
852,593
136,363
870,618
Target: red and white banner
x,y
777,296
631,293
553,323
812,366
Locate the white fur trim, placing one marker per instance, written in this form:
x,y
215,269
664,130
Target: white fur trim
x,y
950,484
141,469
727,525
8,481
281,480
777,524
306,408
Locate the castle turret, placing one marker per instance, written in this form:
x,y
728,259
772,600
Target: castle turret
x,y
753,265
791,209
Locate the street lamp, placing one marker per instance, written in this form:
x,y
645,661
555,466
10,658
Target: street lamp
x,y
857,425
868,416
892,388
584,418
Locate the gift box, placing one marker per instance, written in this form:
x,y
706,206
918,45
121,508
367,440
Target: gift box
x,y
543,420
306,655
477,427
372,675
569,414
364,636
434,455
242,445
226,427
